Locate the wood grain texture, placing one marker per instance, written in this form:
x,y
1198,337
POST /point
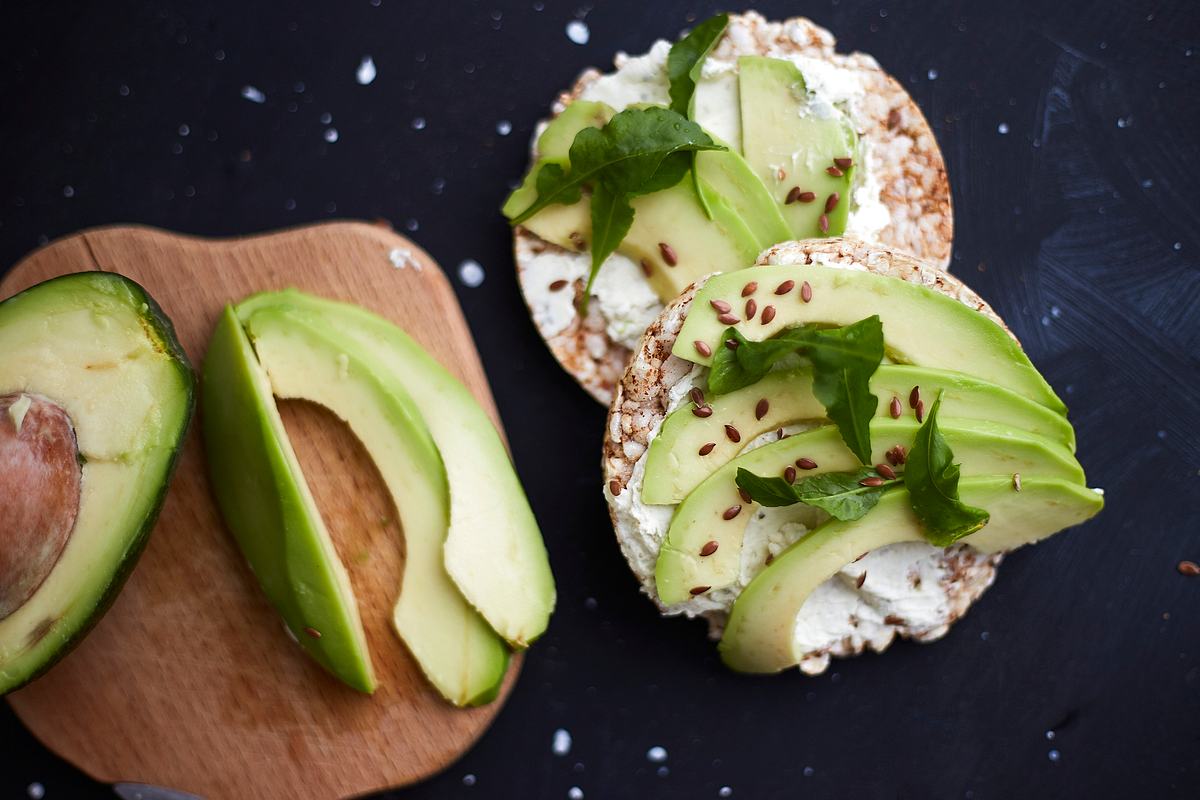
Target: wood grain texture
x,y
190,680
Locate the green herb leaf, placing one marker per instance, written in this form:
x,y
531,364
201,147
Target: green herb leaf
x,y
612,217
625,155
843,361
684,63
686,59
932,479
840,494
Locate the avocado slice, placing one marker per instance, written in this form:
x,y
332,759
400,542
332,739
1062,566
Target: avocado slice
x,y
983,448
494,549
920,326
791,145
285,540
672,217
91,354
758,637
674,466
733,181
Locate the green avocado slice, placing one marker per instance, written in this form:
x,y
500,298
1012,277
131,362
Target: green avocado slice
x,y
920,326
982,448
494,549
674,466
96,345
297,565
790,144
759,635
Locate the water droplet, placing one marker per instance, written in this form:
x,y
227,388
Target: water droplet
x,y
1050,736
184,130
590,603
468,779
504,127
1054,756
253,94
35,791
366,71
418,124
298,87
331,135
330,207
189,191
984,635
1177,246
326,118
470,272
663,771
123,90
1055,312
725,791
219,55
577,31
439,185
561,745
539,6
932,74
177,148
411,225
656,754
1147,183
575,793
1002,128
68,191
809,772
289,204
1124,122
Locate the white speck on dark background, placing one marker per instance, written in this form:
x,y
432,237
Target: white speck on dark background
x,y
577,31
575,793
412,225
1050,736
219,55
184,130
1002,128
809,772
470,272
35,791
663,771
253,94
656,754
123,90
326,118
504,127
331,135
725,791
468,779
561,744
366,71
68,191
298,87
983,635
590,603
932,74
418,123
1054,756
439,185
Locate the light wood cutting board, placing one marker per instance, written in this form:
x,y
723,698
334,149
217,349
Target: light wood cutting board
x,y
190,681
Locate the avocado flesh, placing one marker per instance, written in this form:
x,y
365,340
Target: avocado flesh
x,y
455,648
268,507
759,635
97,345
920,326
981,448
674,467
494,549
783,132
673,217
732,179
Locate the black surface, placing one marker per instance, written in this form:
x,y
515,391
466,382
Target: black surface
x,y
1081,225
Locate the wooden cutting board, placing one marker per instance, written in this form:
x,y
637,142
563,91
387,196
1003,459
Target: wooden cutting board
x,y
190,681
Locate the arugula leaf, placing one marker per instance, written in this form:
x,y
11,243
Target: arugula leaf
x,y
843,361
840,494
612,217
625,155
687,57
932,479
684,63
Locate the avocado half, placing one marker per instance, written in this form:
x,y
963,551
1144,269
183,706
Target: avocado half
x,y
96,395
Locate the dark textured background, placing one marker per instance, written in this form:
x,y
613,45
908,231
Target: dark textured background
x,y
1081,224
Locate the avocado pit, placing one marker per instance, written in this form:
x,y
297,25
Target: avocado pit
x,y
40,481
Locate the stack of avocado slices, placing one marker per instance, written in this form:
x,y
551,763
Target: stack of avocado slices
x,y
476,580
998,425
792,177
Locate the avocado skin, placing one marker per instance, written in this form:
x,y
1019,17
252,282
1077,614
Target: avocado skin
x,y
164,330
